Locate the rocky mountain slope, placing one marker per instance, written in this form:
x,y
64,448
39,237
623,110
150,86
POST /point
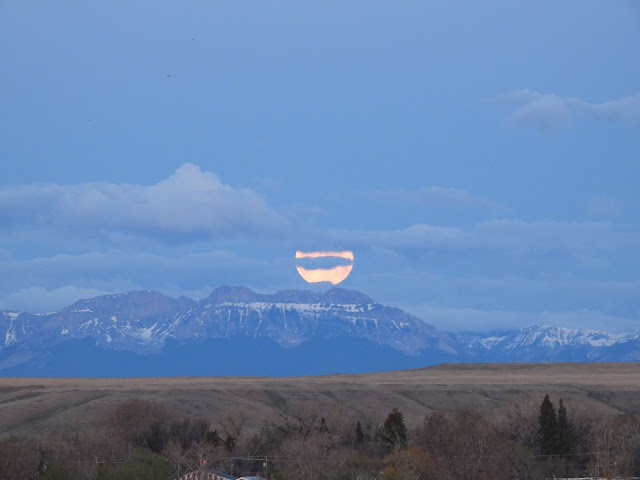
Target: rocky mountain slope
x,y
552,343
237,331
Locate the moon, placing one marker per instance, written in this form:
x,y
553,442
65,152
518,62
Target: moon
x,y
333,275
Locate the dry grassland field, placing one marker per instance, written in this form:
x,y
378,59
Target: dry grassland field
x,y
38,405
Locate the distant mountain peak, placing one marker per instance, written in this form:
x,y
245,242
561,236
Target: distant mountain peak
x,y
131,305
295,296
139,296
336,296
344,296
233,294
338,327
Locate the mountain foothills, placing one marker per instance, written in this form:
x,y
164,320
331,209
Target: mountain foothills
x,y
235,331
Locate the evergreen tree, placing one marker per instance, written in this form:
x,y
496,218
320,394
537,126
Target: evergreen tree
x,y
548,430
230,443
323,426
213,438
359,433
564,430
394,431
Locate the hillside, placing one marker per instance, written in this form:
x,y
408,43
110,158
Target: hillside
x,y
31,405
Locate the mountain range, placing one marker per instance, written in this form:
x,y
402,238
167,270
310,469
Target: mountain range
x,y
235,331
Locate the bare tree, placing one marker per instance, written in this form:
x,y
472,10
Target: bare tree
x,y
178,457
412,463
314,456
231,425
617,447
520,422
187,431
140,423
203,456
263,440
295,425
87,450
468,446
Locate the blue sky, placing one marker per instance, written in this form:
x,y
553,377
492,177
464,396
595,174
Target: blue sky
x,y
479,158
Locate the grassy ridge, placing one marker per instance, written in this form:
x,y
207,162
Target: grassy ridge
x,y
30,405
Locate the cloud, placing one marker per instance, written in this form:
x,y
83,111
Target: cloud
x,y
604,206
506,264
31,284
344,254
500,235
430,196
549,111
520,235
466,279
476,320
115,270
40,299
188,203
419,236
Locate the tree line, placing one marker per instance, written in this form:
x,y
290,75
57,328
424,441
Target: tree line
x,y
142,440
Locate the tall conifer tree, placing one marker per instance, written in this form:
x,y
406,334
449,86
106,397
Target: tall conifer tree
x,y
359,433
394,431
548,428
564,430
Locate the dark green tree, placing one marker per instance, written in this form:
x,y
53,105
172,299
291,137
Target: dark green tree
x,y
323,426
564,430
213,438
394,431
548,428
230,443
359,433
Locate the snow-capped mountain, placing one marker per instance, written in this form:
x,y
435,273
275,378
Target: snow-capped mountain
x,y
149,323
237,331
137,321
143,321
552,343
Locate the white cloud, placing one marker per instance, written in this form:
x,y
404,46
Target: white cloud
x,y
128,270
453,295
503,265
34,284
549,111
476,320
418,236
508,236
520,235
430,196
188,203
40,299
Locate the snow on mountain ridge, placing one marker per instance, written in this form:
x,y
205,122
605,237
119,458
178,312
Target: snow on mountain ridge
x,y
292,317
550,336
302,307
146,322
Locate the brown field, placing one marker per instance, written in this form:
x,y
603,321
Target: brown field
x,y
31,405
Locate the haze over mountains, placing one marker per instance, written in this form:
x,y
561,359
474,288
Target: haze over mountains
x,y
235,331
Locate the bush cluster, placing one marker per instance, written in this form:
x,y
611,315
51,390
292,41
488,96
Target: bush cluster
x,y
141,440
